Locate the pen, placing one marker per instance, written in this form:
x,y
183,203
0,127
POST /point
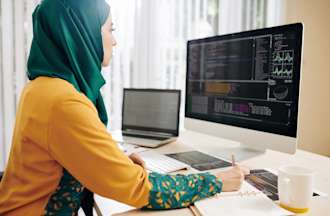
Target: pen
x,y
233,163
194,211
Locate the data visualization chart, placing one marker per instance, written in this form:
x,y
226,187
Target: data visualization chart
x,y
283,64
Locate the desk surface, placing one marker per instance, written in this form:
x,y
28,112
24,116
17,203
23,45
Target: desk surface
x,y
271,159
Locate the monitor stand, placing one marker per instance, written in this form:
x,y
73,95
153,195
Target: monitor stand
x,y
241,153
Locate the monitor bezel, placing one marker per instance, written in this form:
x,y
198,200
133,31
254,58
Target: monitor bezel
x,y
153,129
290,132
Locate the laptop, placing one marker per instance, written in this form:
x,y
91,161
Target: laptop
x,y
150,117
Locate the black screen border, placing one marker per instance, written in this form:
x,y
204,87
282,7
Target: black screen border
x,y
291,131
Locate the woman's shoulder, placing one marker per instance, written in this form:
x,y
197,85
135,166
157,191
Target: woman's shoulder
x,y
55,91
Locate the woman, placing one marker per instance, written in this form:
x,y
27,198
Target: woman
x,y
60,143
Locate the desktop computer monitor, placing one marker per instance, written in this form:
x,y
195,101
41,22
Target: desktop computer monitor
x,y
245,87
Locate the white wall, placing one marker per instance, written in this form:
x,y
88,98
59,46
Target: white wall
x,y
314,122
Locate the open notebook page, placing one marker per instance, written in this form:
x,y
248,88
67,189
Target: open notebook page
x,y
248,202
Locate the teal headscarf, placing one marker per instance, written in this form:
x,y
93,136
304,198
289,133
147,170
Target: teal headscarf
x,y
67,44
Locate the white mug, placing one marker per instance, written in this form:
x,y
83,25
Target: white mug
x,y
295,188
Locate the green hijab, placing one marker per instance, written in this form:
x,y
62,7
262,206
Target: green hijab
x,y
67,44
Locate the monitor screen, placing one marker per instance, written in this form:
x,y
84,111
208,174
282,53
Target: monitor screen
x,y
151,110
248,79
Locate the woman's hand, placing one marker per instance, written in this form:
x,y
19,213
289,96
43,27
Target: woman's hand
x,y
137,160
233,178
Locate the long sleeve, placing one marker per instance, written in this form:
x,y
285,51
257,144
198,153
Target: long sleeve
x,y
79,141
177,191
59,129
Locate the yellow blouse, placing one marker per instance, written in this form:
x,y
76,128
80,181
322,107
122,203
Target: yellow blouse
x,y
56,127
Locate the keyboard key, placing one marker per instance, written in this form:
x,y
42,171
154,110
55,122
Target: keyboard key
x,y
160,163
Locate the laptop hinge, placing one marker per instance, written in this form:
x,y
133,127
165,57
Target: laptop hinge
x,y
147,133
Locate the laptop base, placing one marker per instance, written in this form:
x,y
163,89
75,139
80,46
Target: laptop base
x,y
147,142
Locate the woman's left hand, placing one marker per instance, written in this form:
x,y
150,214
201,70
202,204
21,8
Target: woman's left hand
x,y
137,160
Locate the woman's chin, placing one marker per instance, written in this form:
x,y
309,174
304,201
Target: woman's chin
x,y
105,63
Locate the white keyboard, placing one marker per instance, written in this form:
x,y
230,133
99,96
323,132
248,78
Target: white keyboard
x,y
160,163
130,149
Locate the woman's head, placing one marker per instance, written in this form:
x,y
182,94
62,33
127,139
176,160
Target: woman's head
x,y
71,40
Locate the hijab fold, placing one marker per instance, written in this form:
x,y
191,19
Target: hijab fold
x,y
67,44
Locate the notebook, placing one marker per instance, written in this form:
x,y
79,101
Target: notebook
x,y
248,202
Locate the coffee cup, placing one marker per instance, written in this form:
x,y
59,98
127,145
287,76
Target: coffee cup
x,y
295,188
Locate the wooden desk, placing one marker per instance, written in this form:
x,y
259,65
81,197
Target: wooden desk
x,y
271,159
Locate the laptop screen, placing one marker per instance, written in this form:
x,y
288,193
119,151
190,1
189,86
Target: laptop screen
x,y
151,110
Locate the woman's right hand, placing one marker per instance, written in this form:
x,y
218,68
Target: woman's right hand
x,y
233,178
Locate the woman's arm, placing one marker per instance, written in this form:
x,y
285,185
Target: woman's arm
x,y
177,191
79,141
